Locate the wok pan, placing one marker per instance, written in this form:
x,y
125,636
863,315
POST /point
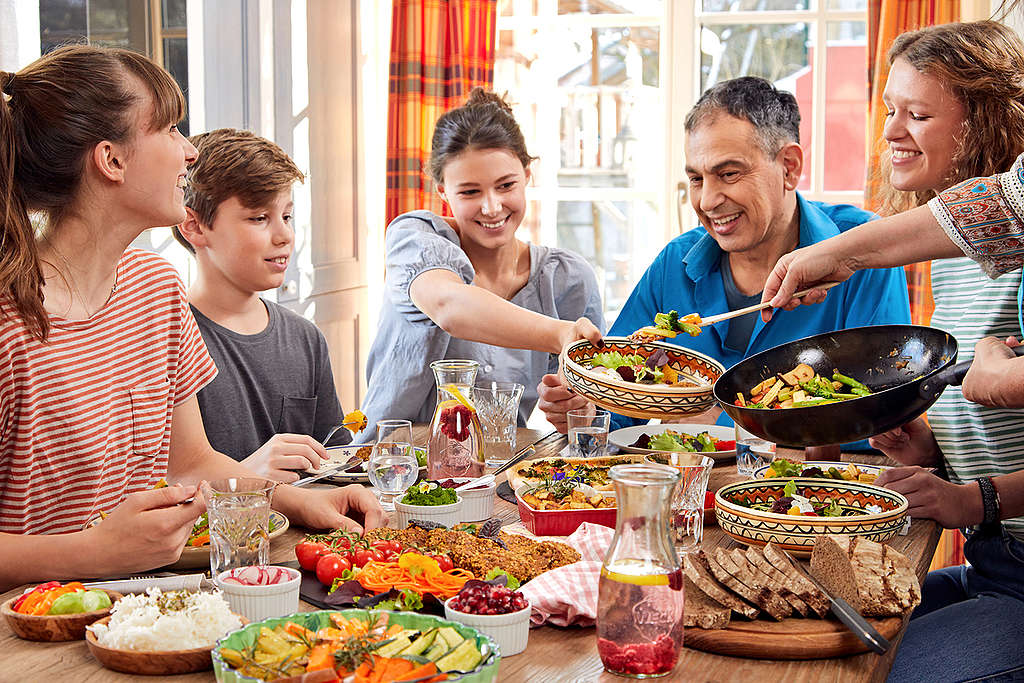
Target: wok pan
x,y
906,366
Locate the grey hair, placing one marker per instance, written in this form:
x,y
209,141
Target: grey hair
x,y
773,113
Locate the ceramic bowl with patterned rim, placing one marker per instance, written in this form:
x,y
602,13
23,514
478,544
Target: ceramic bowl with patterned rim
x,y
642,400
796,534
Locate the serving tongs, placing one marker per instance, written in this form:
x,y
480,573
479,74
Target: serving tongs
x,y
711,320
867,634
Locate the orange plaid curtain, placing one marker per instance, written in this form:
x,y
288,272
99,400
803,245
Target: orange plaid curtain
x,y
440,50
886,20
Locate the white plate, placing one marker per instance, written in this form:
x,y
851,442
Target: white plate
x,y
825,464
341,454
625,437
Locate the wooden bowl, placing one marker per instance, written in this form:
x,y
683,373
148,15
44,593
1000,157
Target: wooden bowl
x,y
642,400
53,627
796,534
161,663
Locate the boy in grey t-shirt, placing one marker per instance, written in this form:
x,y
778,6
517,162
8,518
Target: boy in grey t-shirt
x,y
273,399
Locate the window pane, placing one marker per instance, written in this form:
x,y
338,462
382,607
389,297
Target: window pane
x,y
848,5
173,14
780,53
61,21
754,5
176,62
616,238
846,105
645,7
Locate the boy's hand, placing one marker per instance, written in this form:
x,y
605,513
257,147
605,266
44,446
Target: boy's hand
x,y
331,508
282,454
911,444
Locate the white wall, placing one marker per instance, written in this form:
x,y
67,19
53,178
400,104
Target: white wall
x,y
18,18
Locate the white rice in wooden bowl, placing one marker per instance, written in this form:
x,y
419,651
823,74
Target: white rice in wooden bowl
x,y
176,620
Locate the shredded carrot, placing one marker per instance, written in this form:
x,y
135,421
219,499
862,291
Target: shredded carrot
x,y
382,576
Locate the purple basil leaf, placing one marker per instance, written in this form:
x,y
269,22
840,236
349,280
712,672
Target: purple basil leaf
x,y
657,359
626,373
346,594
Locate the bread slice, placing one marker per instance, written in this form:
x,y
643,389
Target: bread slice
x,y
702,611
809,592
725,570
696,568
875,579
755,561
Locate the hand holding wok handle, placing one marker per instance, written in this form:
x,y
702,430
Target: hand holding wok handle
x,y
953,376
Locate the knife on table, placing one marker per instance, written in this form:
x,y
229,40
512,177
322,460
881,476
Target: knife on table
x,y
849,616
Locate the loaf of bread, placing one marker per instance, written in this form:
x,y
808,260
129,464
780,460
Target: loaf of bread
x,y
875,579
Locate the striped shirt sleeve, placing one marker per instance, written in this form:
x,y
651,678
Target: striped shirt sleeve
x,y
984,217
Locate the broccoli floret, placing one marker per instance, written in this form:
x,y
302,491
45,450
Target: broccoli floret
x,y
667,321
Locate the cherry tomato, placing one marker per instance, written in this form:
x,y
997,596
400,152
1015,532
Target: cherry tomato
x,y
395,547
444,562
362,557
380,545
378,555
309,552
723,445
330,567
343,543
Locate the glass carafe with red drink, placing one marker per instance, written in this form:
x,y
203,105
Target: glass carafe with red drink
x,y
640,598
456,445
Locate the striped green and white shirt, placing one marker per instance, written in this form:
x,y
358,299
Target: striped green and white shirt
x,y
976,440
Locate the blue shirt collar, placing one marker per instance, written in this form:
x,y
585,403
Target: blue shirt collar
x,y
704,256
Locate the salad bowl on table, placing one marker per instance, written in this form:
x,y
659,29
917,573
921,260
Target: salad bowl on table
x,y
880,513
485,672
642,400
53,627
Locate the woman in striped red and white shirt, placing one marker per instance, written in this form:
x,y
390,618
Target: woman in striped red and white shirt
x,y
100,357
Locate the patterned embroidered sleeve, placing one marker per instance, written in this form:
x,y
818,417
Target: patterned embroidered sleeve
x,y
985,218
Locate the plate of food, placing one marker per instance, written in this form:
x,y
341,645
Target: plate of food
x,y
162,633
589,471
820,469
716,441
357,473
645,379
793,512
405,646
52,611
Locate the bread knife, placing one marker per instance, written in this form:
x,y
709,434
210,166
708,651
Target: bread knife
x,y
849,616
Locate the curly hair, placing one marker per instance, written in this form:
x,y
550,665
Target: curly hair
x,y
981,63
773,113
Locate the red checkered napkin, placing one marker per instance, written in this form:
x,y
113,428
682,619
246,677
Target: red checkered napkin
x,y
568,595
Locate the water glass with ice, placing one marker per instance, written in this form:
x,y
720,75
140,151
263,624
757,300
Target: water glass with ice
x,y
497,406
392,467
588,432
687,521
752,452
238,510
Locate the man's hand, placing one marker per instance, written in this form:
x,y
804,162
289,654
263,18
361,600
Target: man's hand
x,y
336,508
951,505
556,400
283,454
801,269
912,444
148,529
994,378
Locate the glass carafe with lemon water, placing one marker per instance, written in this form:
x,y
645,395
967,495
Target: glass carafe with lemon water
x,y
640,592
456,446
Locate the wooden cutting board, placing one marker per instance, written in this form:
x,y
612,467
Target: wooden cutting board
x,y
792,638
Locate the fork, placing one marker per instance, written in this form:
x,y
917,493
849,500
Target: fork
x,y
334,430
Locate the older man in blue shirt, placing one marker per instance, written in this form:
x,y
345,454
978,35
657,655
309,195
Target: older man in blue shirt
x,y
743,161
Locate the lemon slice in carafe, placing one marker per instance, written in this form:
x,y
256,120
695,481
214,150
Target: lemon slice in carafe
x,y
636,573
454,391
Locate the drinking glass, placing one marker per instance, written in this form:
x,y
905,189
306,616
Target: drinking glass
x,y
238,510
752,452
588,432
392,467
687,520
497,405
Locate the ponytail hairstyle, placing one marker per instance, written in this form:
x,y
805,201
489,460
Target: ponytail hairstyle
x,y
982,64
52,115
485,121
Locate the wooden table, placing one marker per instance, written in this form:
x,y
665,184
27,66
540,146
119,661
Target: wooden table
x,y
555,655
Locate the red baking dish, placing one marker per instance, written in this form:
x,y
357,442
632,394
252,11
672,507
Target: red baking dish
x,y
561,522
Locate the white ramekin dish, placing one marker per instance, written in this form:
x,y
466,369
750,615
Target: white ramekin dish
x,y
257,603
477,504
511,631
449,515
